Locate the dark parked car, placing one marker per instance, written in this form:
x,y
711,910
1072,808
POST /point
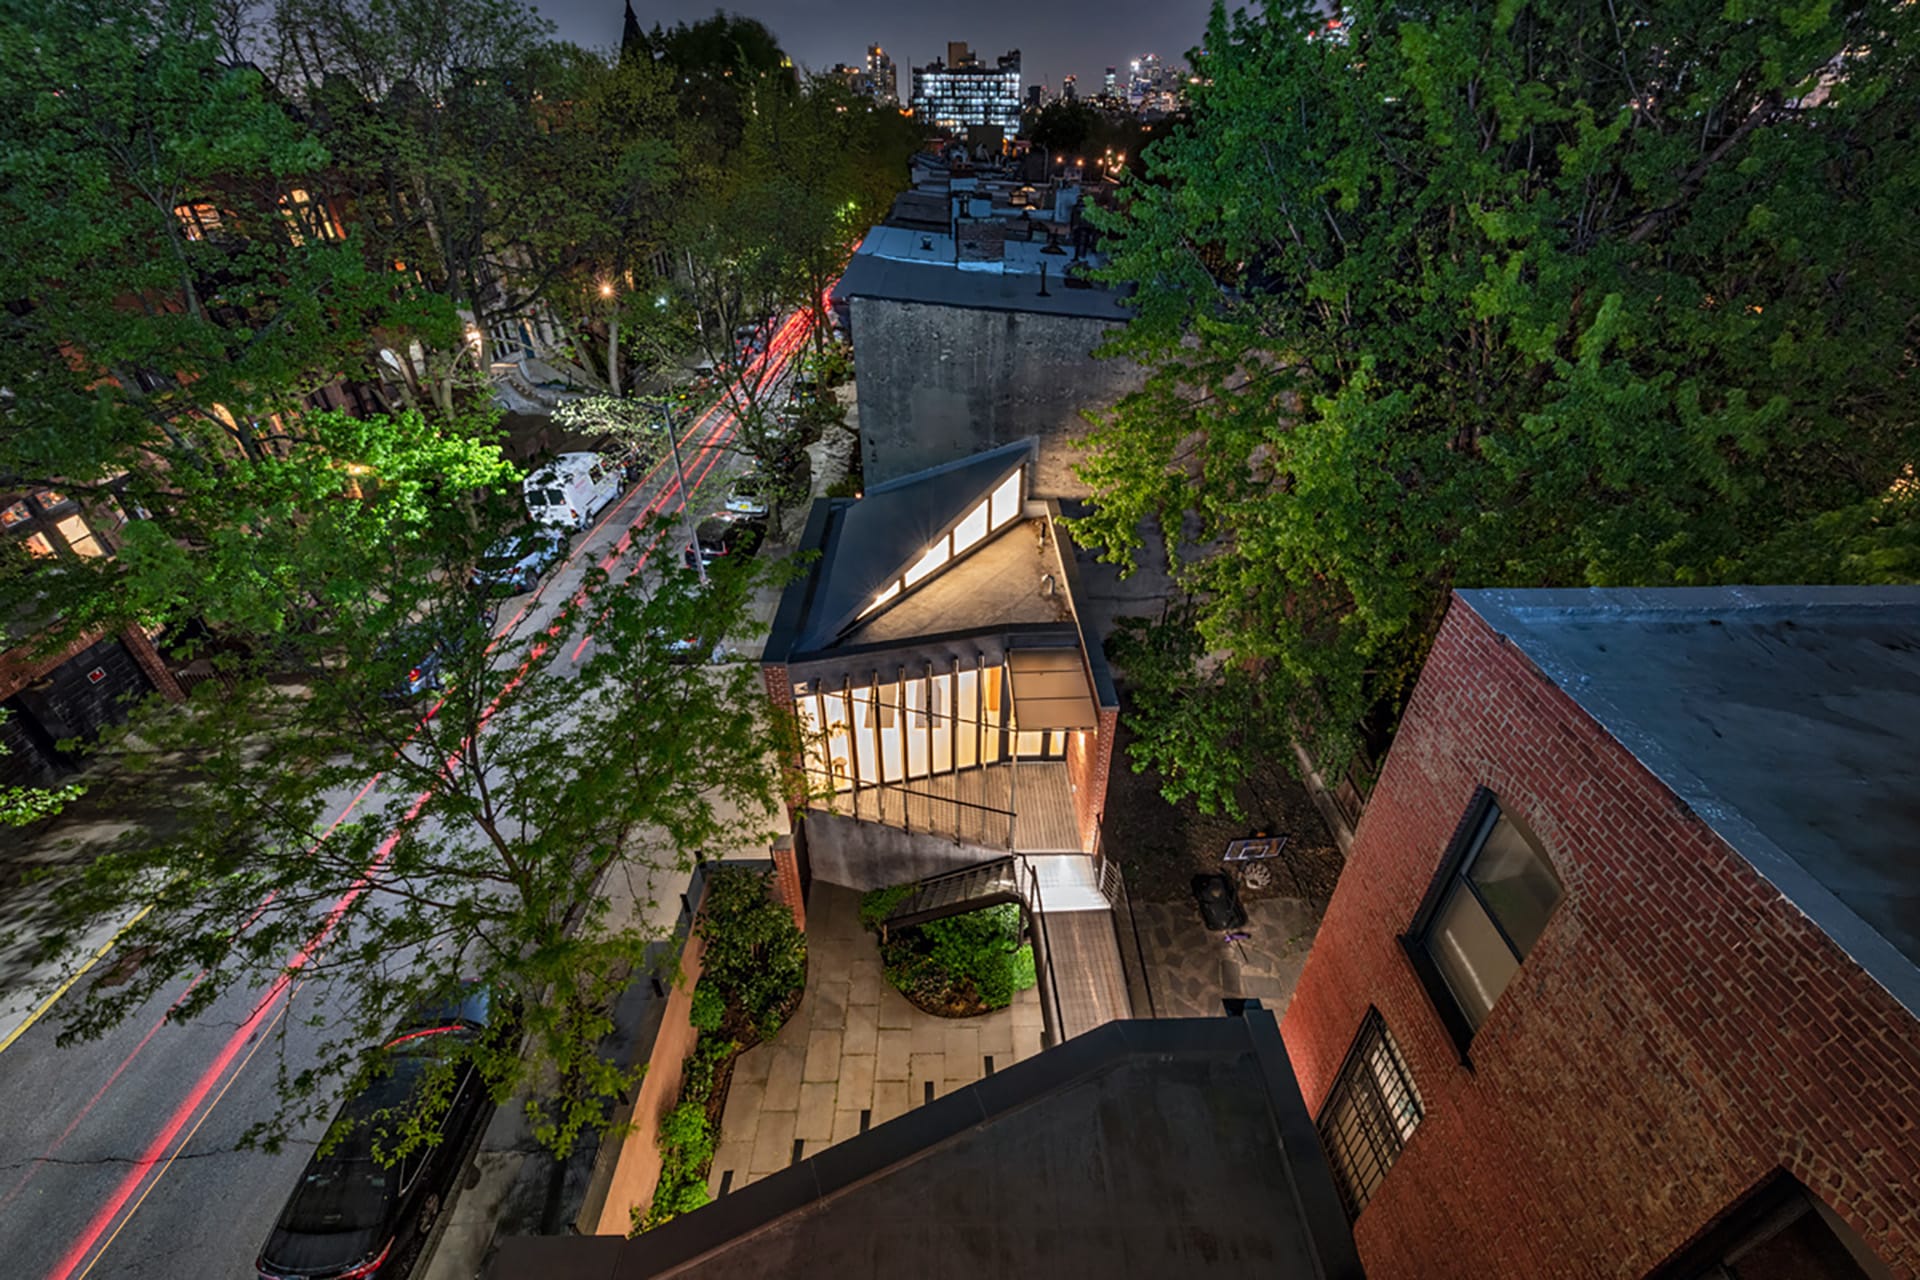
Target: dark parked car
x,y
352,1217
435,649
721,536
517,562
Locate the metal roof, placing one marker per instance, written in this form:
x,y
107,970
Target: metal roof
x,y
868,543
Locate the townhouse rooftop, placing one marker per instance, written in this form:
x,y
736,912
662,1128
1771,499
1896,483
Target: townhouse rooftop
x,y
902,264
1786,718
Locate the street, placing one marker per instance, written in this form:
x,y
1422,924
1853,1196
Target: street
x,y
120,1158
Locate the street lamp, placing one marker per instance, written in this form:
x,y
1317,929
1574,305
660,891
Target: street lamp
x,y
686,496
606,290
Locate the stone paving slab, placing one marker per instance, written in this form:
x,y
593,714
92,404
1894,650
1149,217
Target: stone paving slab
x,y
1191,970
854,1046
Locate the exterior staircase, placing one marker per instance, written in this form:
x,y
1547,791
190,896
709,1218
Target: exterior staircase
x,y
951,893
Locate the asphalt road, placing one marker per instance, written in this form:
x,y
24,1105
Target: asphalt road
x,y
118,1157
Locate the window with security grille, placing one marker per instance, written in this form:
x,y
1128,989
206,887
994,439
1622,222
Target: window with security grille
x,y
1371,1112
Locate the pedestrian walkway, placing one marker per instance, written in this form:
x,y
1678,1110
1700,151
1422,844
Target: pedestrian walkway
x,y
854,1055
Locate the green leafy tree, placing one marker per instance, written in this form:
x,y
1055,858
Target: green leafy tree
x,y
1504,295
170,306
537,788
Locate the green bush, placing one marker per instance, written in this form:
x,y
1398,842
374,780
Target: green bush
x,y
708,1009
696,1080
686,1152
754,955
979,952
876,906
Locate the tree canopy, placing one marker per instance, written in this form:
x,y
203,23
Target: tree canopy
x,y
1520,294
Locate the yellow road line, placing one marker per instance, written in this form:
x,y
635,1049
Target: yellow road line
x,y
66,986
265,1033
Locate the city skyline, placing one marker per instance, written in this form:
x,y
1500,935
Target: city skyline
x,y
1054,41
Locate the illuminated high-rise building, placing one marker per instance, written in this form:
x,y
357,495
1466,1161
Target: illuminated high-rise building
x,y
964,91
882,75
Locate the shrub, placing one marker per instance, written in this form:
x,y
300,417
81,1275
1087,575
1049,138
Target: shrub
x,y
979,953
696,1080
876,906
686,1151
709,1007
754,955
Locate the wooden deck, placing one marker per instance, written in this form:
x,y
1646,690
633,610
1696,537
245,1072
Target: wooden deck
x,y
974,806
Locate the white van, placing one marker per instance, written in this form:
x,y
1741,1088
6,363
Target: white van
x,y
572,489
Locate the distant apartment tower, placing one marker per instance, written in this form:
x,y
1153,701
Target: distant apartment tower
x,y
882,75
1107,85
963,91
858,82
1069,89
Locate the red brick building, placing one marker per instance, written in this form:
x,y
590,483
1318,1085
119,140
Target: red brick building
x,y
1620,979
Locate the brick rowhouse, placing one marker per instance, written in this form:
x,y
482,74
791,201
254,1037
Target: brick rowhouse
x,y
1680,1030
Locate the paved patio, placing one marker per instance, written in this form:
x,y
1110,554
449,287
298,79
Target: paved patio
x,y
1191,970
854,1055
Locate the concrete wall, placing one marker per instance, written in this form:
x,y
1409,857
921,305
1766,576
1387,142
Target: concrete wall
x,y
1679,1031
868,855
938,383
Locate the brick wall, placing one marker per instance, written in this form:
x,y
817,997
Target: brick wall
x,y
1089,757
1678,1032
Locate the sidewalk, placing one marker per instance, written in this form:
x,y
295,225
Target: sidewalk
x,y
854,1055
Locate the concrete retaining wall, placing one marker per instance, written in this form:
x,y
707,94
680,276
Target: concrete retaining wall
x,y
867,855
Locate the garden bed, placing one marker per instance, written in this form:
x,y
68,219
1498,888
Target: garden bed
x,y
753,973
957,967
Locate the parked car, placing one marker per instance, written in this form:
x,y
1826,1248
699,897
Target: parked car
x,y
517,562
572,489
350,1216
720,536
430,649
748,497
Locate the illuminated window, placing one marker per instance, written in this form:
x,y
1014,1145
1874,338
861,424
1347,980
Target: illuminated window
x,y
1006,501
971,529
79,537
38,545
18,513
935,557
198,219
49,499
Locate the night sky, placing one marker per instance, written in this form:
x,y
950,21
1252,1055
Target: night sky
x,y
1055,38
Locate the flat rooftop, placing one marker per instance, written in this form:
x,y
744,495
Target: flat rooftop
x,y
1786,718
901,264
1144,1148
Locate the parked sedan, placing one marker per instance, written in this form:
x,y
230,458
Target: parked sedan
x,y
748,497
352,1217
516,563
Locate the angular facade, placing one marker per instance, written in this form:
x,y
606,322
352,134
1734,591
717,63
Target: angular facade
x,y
942,677
1620,979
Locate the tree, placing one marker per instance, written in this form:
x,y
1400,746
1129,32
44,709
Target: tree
x,y
541,775
170,304
1509,295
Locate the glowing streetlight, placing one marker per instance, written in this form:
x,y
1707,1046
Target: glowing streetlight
x,y
606,290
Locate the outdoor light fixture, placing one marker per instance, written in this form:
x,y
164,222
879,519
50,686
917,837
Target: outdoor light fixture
x,y
606,290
